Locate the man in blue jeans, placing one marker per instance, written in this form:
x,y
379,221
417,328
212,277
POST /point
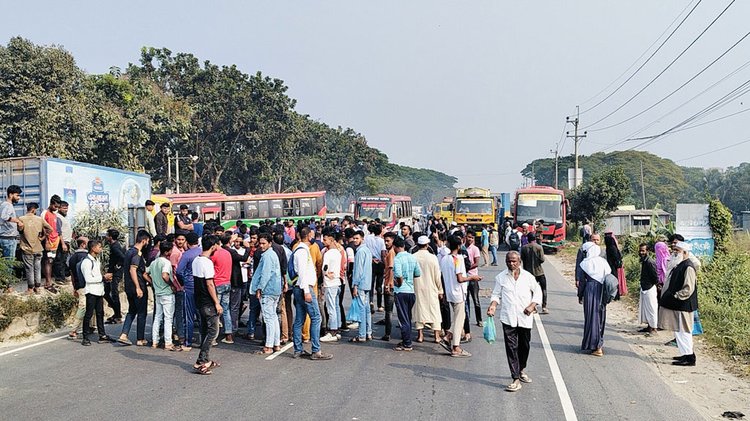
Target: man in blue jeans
x,y
187,301
362,283
9,223
305,301
405,269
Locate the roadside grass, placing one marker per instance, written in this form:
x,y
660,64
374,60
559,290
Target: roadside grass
x,y
53,310
723,296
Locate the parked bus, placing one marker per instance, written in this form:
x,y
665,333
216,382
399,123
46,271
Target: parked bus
x,y
548,208
390,209
251,209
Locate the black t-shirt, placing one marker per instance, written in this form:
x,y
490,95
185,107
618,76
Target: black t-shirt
x,y
133,258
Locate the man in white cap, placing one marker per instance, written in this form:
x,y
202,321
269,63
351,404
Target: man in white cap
x,y
428,289
679,299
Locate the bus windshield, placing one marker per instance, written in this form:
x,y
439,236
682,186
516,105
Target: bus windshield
x,y
474,206
533,207
374,210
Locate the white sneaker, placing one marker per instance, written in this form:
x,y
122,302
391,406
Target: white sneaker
x,y
338,336
353,325
328,338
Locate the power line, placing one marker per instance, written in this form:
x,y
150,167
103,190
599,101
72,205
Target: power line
x,y
714,151
681,86
696,125
716,105
645,62
712,86
658,75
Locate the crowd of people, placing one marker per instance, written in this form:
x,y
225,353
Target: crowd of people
x,y
668,292
287,278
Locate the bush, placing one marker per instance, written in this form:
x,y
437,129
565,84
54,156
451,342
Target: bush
x,y
53,311
7,273
724,300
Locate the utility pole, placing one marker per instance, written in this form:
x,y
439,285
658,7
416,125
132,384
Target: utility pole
x,y
169,172
576,136
643,187
177,169
555,152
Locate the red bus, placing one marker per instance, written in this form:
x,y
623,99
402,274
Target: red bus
x,y
547,208
390,209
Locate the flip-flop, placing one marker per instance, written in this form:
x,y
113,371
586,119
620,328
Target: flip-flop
x,y
462,354
445,345
262,352
213,364
125,342
357,339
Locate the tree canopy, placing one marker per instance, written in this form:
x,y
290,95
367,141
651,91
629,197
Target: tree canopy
x,y
242,127
665,183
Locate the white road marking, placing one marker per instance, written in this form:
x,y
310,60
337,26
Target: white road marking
x,y
13,351
279,352
562,390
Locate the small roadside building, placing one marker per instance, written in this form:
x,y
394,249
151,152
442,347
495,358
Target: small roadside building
x,y
627,220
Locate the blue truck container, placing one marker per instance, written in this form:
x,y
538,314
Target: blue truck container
x,y
84,186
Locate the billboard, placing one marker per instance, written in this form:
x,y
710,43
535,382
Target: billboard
x,y
88,187
691,221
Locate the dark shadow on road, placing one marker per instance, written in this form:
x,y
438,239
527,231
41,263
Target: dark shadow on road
x,y
445,374
159,359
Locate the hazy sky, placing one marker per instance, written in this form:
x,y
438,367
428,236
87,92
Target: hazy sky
x,y
476,89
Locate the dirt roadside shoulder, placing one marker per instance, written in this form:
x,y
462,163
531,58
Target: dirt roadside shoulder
x,y
710,386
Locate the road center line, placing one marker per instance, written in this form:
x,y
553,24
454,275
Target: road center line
x,y
279,352
13,351
562,390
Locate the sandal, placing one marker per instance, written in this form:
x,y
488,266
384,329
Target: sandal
x,y
446,345
51,288
419,340
124,341
403,348
72,336
204,369
142,342
461,354
276,349
213,364
172,348
357,339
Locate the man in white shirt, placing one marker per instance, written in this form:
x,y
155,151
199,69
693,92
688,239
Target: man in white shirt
x,y
305,302
331,285
520,294
453,269
91,270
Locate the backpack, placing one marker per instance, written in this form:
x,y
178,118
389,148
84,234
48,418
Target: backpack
x,y
611,284
514,241
291,270
79,274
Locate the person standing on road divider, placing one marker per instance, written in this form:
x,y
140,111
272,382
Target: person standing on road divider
x,y
679,300
518,294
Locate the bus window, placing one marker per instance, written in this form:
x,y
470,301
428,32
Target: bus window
x,y
263,209
297,208
277,208
231,211
288,207
251,209
320,203
306,207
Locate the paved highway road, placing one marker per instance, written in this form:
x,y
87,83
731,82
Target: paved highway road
x,y
63,380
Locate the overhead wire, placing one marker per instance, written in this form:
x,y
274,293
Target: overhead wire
x,y
646,127
660,74
714,151
641,56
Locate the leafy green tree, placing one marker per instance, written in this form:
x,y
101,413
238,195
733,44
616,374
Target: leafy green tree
x,y
45,103
599,195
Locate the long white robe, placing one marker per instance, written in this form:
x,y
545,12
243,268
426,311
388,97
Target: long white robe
x,y
426,288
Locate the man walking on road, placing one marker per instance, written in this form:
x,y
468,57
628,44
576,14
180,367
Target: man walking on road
x,y
519,293
453,270
532,256
405,269
207,301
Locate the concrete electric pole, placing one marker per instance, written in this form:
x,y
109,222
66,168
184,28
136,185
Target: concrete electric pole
x,y
577,178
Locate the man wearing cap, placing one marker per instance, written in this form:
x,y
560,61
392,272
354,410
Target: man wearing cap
x,y
679,299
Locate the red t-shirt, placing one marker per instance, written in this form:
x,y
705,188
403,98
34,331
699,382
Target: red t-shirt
x,y
222,266
51,219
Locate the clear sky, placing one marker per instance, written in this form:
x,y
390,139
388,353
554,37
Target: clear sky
x,y
476,89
